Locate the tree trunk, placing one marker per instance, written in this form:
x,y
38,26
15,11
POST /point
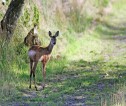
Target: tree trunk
x,y
9,20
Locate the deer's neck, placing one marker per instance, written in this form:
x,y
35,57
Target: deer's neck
x,y
50,47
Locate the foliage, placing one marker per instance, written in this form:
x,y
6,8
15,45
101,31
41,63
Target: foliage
x,y
102,3
36,15
26,17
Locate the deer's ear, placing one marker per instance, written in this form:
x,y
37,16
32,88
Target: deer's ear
x,y
57,34
50,34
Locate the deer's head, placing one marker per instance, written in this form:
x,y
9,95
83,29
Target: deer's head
x,y
53,38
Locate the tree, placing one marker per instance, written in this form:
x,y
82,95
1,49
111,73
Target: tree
x,y
9,21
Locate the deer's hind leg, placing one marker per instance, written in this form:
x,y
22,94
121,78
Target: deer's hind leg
x,y
31,71
34,69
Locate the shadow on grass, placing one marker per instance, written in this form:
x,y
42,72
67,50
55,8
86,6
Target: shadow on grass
x,y
116,31
77,83
85,83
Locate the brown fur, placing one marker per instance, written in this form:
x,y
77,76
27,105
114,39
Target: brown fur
x,y
31,39
37,53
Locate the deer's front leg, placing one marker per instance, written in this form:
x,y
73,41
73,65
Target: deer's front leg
x,y
44,73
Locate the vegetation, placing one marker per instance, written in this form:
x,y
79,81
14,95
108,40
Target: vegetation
x,y
87,66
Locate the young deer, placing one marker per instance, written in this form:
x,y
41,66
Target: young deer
x,y
37,53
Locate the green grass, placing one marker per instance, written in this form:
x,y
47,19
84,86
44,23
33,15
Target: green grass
x,y
90,69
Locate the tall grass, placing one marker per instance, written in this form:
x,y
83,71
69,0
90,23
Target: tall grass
x,y
115,99
7,82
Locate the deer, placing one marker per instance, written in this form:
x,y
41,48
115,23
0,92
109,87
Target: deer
x,y
32,37
38,53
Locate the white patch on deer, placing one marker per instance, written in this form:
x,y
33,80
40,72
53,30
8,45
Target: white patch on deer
x,y
4,2
41,58
31,53
35,31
